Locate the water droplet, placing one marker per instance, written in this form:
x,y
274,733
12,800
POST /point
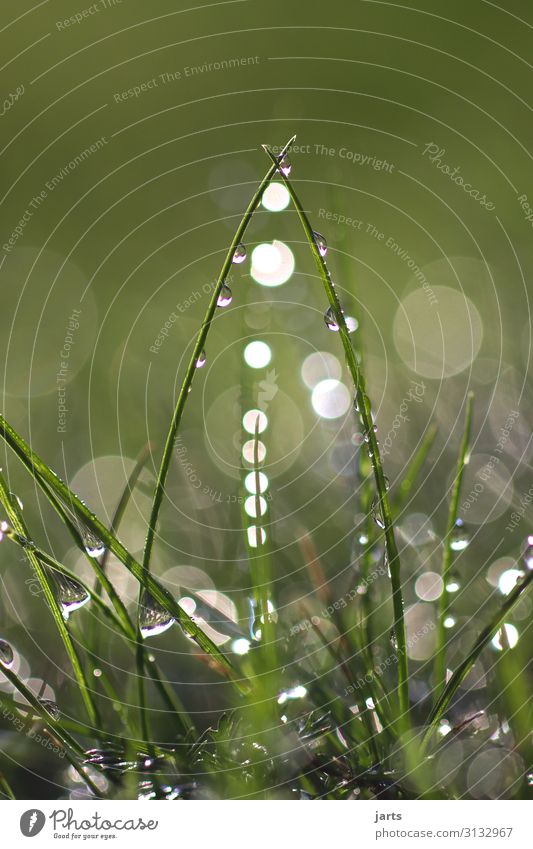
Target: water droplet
x,y
321,244
51,708
239,254
225,296
351,323
459,538
71,595
528,553
153,619
376,512
453,583
200,362
6,653
330,320
285,165
5,530
93,545
393,640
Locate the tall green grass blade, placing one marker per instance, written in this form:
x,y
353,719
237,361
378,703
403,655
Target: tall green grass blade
x,y
447,555
413,469
16,521
480,643
365,412
40,471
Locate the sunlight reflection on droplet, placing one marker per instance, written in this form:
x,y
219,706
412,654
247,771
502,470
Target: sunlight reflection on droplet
x,y
275,197
318,366
507,580
249,420
272,264
250,506
254,538
250,482
330,399
248,451
257,354
511,634
429,586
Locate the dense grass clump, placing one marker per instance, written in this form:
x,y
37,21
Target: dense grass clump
x,y
342,720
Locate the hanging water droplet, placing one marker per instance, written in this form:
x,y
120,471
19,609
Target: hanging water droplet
x,y
330,320
71,595
376,512
528,553
200,362
93,545
321,244
351,323
5,530
393,640
459,537
285,165
153,619
239,254
225,296
6,654
51,708
453,584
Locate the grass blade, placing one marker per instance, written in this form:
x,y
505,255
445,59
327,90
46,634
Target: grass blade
x,y
17,523
447,555
199,346
42,473
414,468
365,412
482,641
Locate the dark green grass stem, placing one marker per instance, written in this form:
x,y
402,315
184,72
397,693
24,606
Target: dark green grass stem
x,y
447,554
365,412
197,351
17,523
71,747
166,692
413,469
40,471
481,642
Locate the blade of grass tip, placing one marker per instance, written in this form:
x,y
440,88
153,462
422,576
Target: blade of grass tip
x,y
365,413
199,346
166,692
17,523
480,643
41,472
413,470
447,554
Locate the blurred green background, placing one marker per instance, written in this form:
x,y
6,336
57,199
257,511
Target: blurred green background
x,y
130,146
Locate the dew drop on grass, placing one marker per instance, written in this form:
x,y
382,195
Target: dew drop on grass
x,y
93,545
225,296
393,640
285,165
330,320
200,362
321,244
351,323
51,708
239,254
459,538
153,618
5,530
71,595
376,512
6,654
453,583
